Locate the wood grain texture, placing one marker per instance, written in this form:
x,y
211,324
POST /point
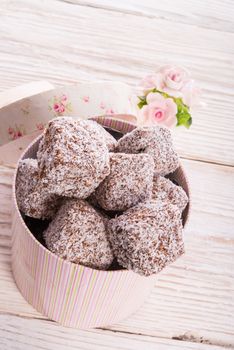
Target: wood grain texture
x,y
46,335
68,42
193,299
207,14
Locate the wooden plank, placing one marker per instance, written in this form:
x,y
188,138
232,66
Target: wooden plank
x,y
30,334
193,298
126,47
207,14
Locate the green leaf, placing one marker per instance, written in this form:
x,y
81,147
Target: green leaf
x,y
142,101
185,120
183,114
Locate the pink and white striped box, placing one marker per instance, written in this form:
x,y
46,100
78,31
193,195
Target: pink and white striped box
x,y
71,294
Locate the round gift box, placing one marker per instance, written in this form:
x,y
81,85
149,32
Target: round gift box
x,y
71,294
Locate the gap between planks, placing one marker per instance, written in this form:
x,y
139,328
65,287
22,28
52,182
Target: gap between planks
x,y
50,336
219,19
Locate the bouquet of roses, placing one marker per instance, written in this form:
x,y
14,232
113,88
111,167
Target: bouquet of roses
x,y
168,96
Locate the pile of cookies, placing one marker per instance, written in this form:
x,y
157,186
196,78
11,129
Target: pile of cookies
x,y
106,200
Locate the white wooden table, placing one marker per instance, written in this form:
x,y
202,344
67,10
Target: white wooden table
x,y
192,304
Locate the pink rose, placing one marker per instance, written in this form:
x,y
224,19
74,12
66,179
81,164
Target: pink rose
x,y
62,108
64,98
167,78
151,82
178,84
40,126
109,111
173,77
56,107
86,99
59,108
17,134
175,81
10,131
159,110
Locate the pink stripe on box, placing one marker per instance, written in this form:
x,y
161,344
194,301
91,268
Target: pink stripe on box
x,y
96,296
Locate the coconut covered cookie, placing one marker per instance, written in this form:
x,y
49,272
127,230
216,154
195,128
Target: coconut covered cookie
x,y
147,237
130,181
157,142
165,191
96,131
78,234
72,163
32,198
105,206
